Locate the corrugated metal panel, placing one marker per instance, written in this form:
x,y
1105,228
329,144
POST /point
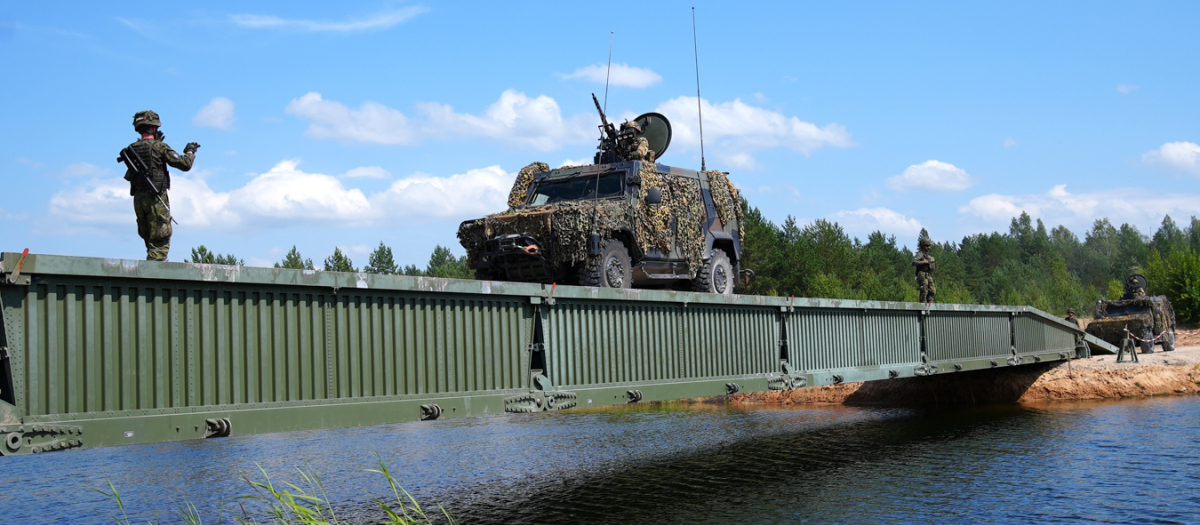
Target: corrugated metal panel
x,y
1034,335
829,339
590,343
128,346
952,336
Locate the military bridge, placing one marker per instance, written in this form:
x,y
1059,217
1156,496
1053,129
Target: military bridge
x,y
100,352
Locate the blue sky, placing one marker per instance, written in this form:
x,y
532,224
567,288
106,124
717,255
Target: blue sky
x,y
345,125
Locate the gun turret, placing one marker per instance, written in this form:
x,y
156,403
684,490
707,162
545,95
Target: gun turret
x,y
609,141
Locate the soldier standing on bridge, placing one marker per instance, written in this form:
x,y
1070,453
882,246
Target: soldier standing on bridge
x,y
924,263
146,161
1070,318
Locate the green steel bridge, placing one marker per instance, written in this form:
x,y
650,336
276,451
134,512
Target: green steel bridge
x,y
100,352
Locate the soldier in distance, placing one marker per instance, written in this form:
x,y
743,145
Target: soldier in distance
x,y
925,266
149,186
1070,318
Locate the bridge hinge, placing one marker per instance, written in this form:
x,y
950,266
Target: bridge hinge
x,y
925,370
34,439
540,401
1014,360
217,428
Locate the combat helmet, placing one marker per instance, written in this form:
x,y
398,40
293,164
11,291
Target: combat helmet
x,y
924,241
633,124
143,119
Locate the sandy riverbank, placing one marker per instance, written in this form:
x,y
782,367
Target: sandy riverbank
x,y
1101,377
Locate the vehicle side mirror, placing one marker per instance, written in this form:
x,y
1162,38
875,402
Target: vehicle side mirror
x,y
653,196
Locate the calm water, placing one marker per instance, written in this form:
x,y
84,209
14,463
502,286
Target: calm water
x,y
1132,461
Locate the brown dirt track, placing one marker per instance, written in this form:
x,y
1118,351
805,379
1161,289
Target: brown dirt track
x,y
1100,377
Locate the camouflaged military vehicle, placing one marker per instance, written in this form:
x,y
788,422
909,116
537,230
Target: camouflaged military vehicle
x,y
620,222
1150,319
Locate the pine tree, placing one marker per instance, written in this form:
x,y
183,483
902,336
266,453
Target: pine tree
x,y
293,261
443,263
201,255
339,262
381,261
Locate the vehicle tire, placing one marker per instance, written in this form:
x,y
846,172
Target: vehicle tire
x,y
1168,342
611,269
716,275
1147,346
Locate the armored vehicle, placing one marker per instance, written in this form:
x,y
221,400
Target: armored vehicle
x,y
1149,319
623,221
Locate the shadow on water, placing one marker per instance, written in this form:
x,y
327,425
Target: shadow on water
x,y
974,388
718,483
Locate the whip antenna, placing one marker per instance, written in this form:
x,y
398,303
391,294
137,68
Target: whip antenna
x,y
696,48
609,73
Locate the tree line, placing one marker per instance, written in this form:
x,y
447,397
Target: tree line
x,y
442,263
1050,269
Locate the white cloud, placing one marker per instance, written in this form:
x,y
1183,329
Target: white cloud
x,y
84,169
1176,156
622,75
217,114
382,20
867,220
30,163
580,162
371,122
1126,89
515,120
931,175
1010,143
367,172
734,130
287,195
1058,206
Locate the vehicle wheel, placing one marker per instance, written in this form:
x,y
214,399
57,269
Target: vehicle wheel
x,y
716,275
1168,342
611,269
1147,346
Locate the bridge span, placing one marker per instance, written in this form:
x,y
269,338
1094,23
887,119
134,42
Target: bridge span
x,y
100,352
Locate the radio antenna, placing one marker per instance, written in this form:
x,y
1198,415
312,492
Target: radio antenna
x,y
699,112
609,73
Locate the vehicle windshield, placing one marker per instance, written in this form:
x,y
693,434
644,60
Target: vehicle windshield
x,y
579,189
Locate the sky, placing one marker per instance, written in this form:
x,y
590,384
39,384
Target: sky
x,y
329,125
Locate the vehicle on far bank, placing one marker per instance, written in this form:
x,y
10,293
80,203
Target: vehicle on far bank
x,y
620,222
1150,319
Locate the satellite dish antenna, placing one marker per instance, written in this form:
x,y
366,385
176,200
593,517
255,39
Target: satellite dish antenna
x,y
656,129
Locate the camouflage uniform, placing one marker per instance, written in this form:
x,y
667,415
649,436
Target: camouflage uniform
x,y
153,216
1070,318
635,148
924,263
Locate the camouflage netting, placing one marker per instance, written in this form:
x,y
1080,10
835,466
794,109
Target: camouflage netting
x,y
520,188
567,226
680,215
1112,329
727,199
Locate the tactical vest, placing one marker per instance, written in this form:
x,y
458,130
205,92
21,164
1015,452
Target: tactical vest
x,y
155,163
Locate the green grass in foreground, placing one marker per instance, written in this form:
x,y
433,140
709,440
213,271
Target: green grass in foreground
x,y
287,504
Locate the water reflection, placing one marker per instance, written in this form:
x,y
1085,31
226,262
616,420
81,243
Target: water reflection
x,y
1134,460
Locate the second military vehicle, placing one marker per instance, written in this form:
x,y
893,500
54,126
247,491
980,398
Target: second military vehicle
x,y
1148,318
623,221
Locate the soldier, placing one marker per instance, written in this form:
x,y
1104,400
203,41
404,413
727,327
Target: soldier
x,y
633,146
1070,318
924,263
146,161
1135,287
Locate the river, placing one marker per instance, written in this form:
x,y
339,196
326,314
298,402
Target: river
x,y
1128,461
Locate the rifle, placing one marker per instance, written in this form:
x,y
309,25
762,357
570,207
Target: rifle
x,y
135,163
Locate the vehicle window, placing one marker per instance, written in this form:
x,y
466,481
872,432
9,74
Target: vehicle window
x,y
579,189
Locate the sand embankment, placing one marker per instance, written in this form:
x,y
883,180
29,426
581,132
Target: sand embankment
x,y
1101,377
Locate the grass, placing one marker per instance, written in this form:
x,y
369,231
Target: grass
x,y
290,504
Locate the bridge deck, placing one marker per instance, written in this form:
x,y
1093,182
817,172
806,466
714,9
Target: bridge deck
x,y
99,352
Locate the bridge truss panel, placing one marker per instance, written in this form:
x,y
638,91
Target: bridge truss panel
x,y
1036,335
956,336
833,339
128,345
601,342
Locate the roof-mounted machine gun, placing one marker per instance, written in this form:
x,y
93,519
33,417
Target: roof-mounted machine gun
x,y
655,128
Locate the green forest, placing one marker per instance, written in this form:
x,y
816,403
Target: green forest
x,y
1050,269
